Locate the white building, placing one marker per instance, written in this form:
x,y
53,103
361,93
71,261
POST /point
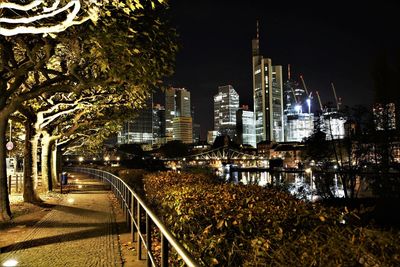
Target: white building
x,y
226,103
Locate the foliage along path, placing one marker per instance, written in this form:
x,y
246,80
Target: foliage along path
x,y
81,231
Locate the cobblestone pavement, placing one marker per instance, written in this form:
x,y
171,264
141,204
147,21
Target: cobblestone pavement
x,y
81,231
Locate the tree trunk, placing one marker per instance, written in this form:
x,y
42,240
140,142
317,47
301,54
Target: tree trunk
x,y
5,211
34,142
53,164
45,142
30,194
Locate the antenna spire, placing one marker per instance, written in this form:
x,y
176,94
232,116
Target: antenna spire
x,y
288,71
258,31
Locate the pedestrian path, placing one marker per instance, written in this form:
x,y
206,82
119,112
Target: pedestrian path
x,y
81,231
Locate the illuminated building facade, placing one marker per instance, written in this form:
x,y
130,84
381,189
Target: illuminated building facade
x,y
159,124
268,97
177,104
298,126
183,130
385,116
211,136
332,123
139,130
226,103
245,128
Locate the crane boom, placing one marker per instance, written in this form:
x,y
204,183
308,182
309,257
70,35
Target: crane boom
x,y
336,99
304,84
294,95
319,100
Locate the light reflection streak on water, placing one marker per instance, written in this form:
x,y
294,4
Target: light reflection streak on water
x,y
299,184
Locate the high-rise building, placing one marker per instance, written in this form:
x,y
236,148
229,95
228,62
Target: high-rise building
x,y
177,110
196,133
183,130
159,124
268,96
226,103
385,116
245,127
297,125
140,129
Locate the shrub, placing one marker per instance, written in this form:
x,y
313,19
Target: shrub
x,y
239,225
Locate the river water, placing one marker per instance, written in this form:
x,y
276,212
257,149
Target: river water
x,y
301,184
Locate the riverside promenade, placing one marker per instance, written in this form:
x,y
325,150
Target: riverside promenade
x,y
80,231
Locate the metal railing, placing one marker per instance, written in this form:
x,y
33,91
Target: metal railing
x,y
133,207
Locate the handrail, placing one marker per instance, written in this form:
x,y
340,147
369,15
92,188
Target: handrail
x,y
124,194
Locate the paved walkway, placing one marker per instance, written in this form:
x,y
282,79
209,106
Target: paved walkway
x,y
81,231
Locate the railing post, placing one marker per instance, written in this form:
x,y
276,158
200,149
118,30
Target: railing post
x,y
164,251
148,239
128,197
133,230
139,240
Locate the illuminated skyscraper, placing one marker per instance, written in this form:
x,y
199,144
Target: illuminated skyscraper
x,y
226,103
268,96
177,104
140,129
245,127
159,124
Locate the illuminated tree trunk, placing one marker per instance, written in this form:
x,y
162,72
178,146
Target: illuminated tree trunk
x,y
30,194
35,142
5,211
54,164
45,143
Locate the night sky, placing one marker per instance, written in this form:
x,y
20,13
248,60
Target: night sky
x,y
327,42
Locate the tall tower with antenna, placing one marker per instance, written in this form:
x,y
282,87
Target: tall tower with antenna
x,y
267,95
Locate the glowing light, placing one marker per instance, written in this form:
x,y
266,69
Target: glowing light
x,y
297,108
308,170
71,200
107,158
80,159
10,262
118,158
94,158
76,180
80,186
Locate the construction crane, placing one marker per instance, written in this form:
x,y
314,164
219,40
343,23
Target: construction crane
x,y
319,101
336,99
304,84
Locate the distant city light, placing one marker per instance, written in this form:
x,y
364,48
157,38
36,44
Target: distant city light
x,y
71,200
308,170
107,158
297,108
80,159
94,158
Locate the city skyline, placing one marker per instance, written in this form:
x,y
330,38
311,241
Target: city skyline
x,y
216,49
